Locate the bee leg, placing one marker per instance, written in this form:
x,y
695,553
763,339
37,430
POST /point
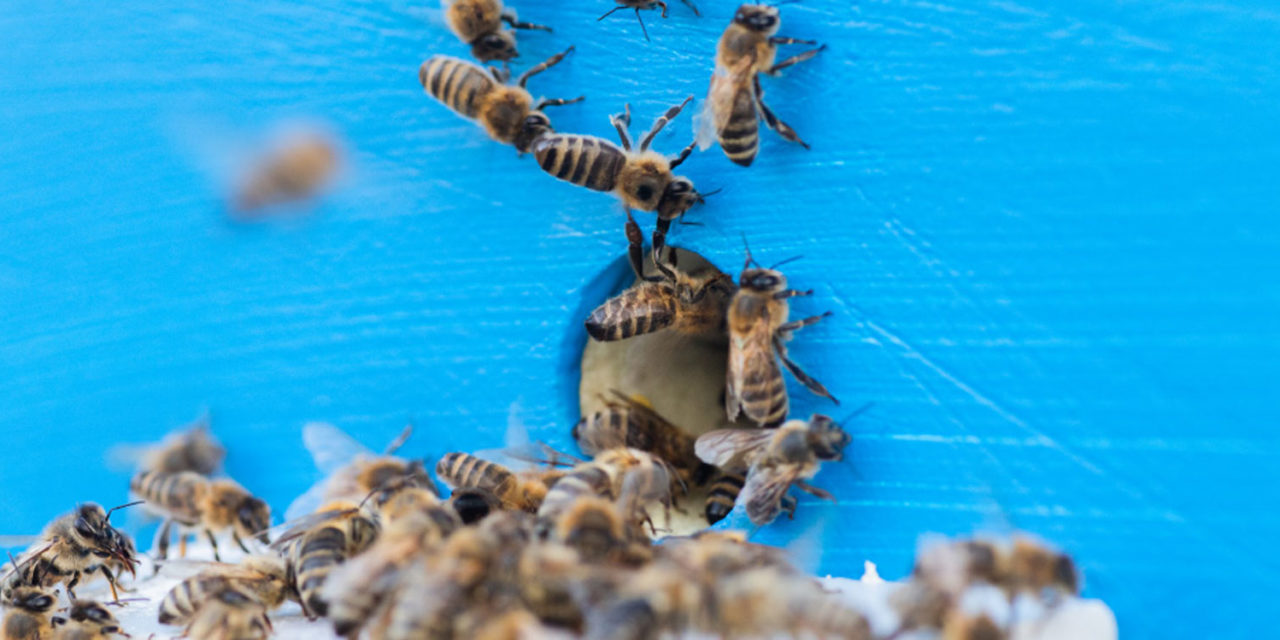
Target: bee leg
x,y
810,489
786,40
542,66
774,123
788,327
800,375
236,536
660,234
799,57
662,4
662,122
111,582
75,579
641,21
182,543
557,102
162,542
621,122
788,504
692,6
679,158
635,249
509,17
213,543
792,293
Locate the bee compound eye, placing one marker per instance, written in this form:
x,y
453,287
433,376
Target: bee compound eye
x,y
644,192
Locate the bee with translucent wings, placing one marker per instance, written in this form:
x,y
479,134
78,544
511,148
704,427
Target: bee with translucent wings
x,y
478,23
775,460
75,546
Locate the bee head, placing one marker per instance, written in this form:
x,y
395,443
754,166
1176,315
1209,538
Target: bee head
x,y
499,45
90,611
677,198
762,280
829,440
253,518
758,17
32,599
535,125
1065,575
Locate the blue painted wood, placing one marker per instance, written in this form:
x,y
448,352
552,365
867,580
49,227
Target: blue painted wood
x,y
1047,230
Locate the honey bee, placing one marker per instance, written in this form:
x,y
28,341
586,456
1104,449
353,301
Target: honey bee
x,y
296,171
588,479
735,102
693,305
318,544
549,574
473,504
507,112
523,491
196,502
193,449
765,602
352,471
28,614
776,460
723,494
1034,568
758,331
629,421
75,545
86,620
264,577
645,4
641,177
478,23
1023,565
230,614
593,527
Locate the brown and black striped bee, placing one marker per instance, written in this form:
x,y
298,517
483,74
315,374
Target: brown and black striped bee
x,y
230,614
645,4
735,102
518,490
775,459
193,501
723,494
86,620
318,544
75,545
628,421
758,331
265,577
479,24
506,111
693,305
28,614
641,177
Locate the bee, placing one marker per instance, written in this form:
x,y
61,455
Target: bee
x,y
507,112
75,545
1035,568
358,588
478,23
723,494
193,449
28,616
318,544
195,502
693,305
971,627
230,614
645,4
86,620
588,479
297,170
549,573
262,576
593,528
641,177
522,491
352,471
735,102
629,421
473,504
758,331
776,459
1023,565
764,602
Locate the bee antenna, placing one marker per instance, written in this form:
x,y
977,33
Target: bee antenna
x,y
779,264
779,4
857,412
750,260
123,506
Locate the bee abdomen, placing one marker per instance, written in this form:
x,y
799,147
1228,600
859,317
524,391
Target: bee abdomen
x,y
456,83
171,492
180,603
764,399
586,161
465,470
630,314
722,495
740,136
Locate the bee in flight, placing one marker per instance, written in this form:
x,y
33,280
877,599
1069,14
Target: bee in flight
x,y
641,177
479,23
758,331
735,101
645,4
295,171
693,305
507,112
775,460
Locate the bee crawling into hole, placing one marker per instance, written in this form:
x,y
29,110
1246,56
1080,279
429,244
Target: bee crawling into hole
x,y
647,5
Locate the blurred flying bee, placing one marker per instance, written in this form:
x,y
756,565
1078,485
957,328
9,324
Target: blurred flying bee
x,y
191,449
776,460
230,614
262,576
478,23
692,305
352,471
758,332
28,614
645,4
318,544
74,545
86,620
629,421
195,502
735,102
522,491
296,170
642,178
507,112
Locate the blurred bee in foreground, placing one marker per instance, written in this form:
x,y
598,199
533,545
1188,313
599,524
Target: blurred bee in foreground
x,y
758,331
507,112
230,614
629,421
75,545
692,305
647,5
642,178
296,171
318,544
28,613
478,23
735,102
262,576
195,502
775,460
86,620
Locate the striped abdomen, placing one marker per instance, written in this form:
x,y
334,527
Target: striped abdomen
x,y
317,555
740,134
636,311
457,83
182,601
586,161
584,480
463,470
723,494
176,495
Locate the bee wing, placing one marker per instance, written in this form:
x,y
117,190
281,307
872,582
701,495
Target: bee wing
x,y
731,448
764,491
706,120
330,447
7,542
750,355
308,502
294,529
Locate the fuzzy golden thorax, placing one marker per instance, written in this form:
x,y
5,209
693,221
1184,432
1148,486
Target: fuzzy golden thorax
x,y
227,505
643,180
503,111
470,20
